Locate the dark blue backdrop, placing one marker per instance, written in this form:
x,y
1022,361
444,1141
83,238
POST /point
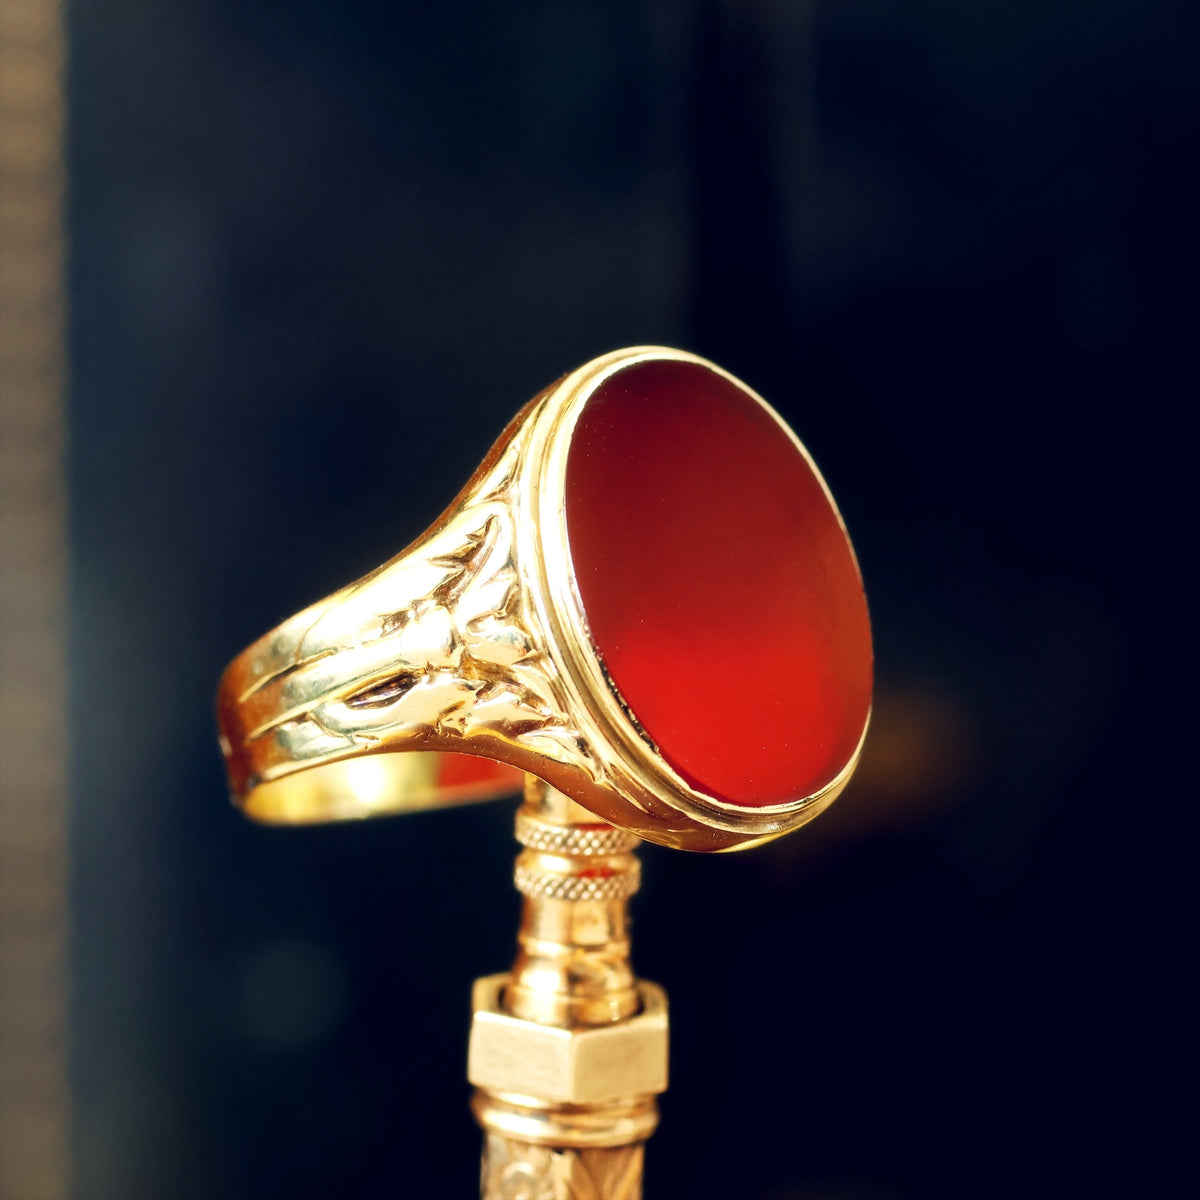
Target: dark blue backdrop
x,y
322,252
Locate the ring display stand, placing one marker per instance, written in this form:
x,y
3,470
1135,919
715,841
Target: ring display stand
x,y
646,604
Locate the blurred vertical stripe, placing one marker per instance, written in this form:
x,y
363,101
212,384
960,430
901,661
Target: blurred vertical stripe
x,y
33,749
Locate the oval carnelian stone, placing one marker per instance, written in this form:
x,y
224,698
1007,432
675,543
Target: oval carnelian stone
x,y
718,584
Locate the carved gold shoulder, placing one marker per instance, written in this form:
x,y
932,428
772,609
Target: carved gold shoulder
x,y
438,643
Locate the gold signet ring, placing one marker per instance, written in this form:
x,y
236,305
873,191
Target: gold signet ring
x,y
645,596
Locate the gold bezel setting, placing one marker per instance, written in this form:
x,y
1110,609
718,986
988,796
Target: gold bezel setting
x,y
637,766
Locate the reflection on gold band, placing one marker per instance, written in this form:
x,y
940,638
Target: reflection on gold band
x,y
379,785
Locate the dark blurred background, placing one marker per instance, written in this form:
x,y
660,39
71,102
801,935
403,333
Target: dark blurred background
x,y
321,252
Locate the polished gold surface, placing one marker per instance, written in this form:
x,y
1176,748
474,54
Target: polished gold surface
x,y
568,1050
471,641
516,1170
570,1023
585,1064
576,877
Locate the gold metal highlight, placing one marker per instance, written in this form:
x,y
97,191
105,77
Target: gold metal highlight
x,y
568,1050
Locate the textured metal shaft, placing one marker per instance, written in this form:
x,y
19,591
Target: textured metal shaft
x,y
572,972
576,875
514,1170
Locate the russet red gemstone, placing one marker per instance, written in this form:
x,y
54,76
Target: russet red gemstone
x,y
718,584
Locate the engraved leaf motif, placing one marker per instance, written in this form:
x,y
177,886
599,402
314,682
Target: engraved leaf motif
x,y
519,1171
440,640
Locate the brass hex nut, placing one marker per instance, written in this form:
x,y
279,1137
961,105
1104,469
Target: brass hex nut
x,y
567,1066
